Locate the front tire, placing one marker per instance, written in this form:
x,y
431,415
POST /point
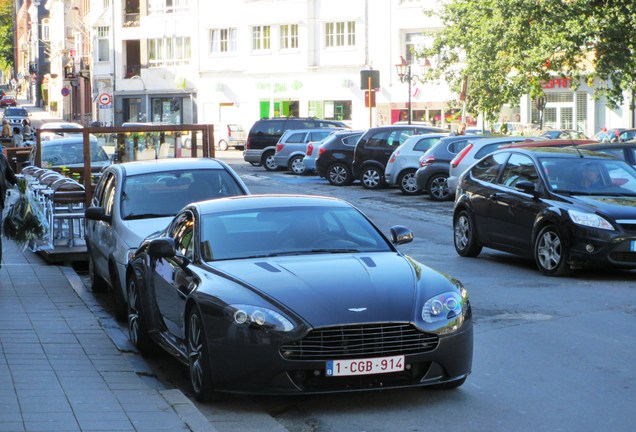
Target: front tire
x,y
550,251
407,182
371,177
296,165
198,358
464,235
268,161
339,174
438,188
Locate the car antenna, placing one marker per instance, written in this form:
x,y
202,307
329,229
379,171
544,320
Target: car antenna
x,y
581,155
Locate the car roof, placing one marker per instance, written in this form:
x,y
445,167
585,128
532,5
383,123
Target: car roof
x,y
60,125
606,145
247,202
68,140
555,143
574,152
506,139
155,165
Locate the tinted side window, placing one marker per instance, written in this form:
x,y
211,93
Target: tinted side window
x,y
488,169
487,149
268,127
457,146
378,140
317,136
425,144
351,140
519,168
298,137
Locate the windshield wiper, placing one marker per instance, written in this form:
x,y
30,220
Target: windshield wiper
x,y
145,216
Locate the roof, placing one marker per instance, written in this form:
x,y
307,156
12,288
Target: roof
x,y
561,152
154,165
246,202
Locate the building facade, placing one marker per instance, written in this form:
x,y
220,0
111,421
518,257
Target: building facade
x,y
198,61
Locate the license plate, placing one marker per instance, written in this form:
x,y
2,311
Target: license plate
x,y
632,246
377,365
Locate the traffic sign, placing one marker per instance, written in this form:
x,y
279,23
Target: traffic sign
x,y
65,91
104,99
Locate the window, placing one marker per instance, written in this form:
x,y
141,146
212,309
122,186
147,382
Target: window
x,y
288,36
261,37
488,169
519,168
182,234
425,144
167,6
103,43
222,40
169,51
45,29
340,34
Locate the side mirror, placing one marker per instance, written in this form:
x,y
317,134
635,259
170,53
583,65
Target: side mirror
x,y
401,235
97,214
162,247
526,186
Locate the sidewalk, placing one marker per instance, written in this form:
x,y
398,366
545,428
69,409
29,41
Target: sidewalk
x,y
60,367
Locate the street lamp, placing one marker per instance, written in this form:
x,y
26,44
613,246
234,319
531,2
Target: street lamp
x,y
404,74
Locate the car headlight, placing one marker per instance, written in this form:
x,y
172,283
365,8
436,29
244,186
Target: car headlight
x,y
259,317
448,310
589,220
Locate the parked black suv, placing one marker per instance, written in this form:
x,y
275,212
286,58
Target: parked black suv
x,y
265,133
375,147
335,156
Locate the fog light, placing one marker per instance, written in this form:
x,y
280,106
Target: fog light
x,y
589,247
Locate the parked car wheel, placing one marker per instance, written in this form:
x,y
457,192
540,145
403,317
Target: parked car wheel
x,y
296,165
223,146
438,188
268,161
464,235
407,182
339,174
371,177
550,252
98,284
200,375
137,330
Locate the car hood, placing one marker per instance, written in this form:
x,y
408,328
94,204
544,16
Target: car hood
x,y
615,206
333,289
134,231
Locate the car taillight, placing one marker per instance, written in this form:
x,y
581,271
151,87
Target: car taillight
x,y
321,150
248,144
427,161
459,156
229,132
393,156
310,149
279,147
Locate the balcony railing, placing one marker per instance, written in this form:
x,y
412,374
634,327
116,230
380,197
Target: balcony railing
x,y
131,19
132,70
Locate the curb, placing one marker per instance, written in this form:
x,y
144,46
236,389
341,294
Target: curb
x,y
185,409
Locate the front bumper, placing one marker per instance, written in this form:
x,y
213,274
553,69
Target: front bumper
x,y
608,248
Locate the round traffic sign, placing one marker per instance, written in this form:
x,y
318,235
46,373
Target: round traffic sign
x,y
104,99
65,91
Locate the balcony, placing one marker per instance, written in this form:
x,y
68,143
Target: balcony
x,y
132,70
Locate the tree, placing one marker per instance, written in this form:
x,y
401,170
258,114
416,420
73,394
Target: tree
x,y
7,18
508,48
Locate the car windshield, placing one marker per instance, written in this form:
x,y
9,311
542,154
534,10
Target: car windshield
x,y
65,153
164,193
16,112
584,176
280,231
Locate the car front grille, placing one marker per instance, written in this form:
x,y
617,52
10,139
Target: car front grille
x,y
360,341
623,257
629,227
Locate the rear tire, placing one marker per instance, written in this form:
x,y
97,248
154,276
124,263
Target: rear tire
x,y
371,177
339,174
223,145
438,188
137,329
408,183
464,235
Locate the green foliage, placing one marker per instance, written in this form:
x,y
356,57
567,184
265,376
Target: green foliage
x,y
6,34
507,48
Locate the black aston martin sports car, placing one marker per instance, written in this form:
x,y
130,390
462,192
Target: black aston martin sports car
x,y
282,294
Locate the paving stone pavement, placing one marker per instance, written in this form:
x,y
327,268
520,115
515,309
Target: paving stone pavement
x,y
60,371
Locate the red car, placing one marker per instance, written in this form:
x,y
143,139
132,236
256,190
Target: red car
x,y
7,101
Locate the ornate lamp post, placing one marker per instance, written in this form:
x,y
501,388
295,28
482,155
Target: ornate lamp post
x,y
405,76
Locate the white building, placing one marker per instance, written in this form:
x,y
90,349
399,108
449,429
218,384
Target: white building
x,y
209,61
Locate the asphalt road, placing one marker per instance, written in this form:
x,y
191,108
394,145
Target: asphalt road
x,y
552,354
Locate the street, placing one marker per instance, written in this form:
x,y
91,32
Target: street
x,y
550,353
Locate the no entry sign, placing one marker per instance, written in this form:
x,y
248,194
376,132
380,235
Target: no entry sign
x,y
104,99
